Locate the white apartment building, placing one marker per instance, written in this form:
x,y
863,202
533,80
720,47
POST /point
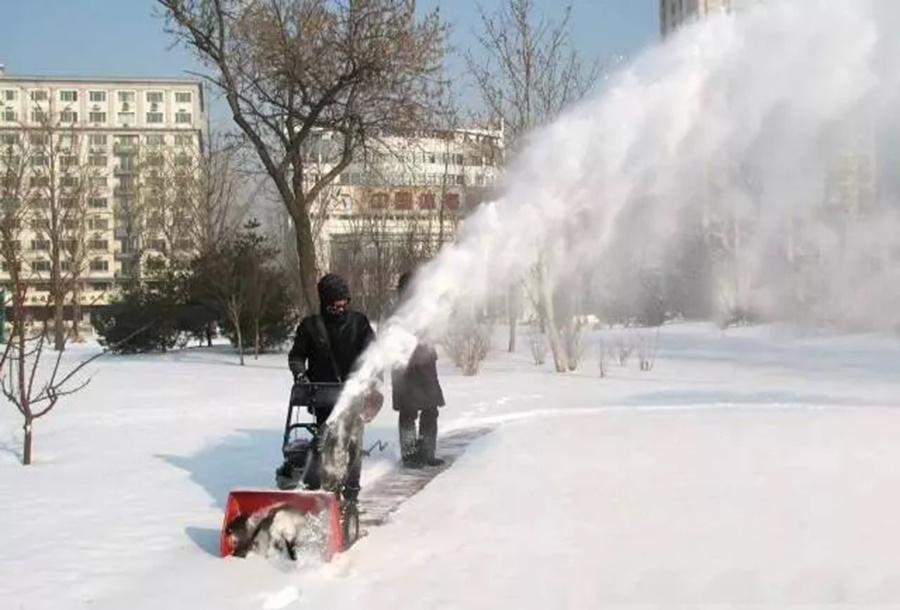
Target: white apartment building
x,y
113,130
406,193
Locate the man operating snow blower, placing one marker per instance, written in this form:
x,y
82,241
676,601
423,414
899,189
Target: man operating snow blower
x,y
327,348
319,479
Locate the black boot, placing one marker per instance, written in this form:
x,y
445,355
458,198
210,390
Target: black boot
x,y
409,449
428,437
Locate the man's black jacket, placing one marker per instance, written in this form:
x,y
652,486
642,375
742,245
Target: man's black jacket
x,y
350,335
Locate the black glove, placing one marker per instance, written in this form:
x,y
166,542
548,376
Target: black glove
x,y
298,370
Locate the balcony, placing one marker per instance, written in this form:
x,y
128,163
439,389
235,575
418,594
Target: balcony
x,y
125,171
126,149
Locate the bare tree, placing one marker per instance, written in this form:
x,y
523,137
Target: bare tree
x,y
24,379
526,72
54,200
217,208
291,69
62,188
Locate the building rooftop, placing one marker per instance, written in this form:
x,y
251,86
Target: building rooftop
x,y
96,79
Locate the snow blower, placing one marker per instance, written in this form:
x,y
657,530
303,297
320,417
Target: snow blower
x,y
250,513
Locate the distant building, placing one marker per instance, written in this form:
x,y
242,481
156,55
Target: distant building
x,y
115,134
399,201
851,172
674,13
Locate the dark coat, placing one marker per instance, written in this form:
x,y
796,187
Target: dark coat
x,y
350,335
416,386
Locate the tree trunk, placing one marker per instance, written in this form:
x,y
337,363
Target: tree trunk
x,y
76,315
235,319
27,441
59,323
512,311
256,340
548,309
306,260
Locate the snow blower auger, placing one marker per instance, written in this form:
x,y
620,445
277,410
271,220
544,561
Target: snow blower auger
x,y
297,514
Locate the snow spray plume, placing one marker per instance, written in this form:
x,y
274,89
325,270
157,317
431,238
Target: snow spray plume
x,y
762,132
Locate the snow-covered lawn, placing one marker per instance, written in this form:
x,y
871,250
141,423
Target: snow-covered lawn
x,y
755,465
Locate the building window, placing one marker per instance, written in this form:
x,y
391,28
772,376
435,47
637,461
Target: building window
x,y
183,97
154,117
126,97
451,201
99,264
126,118
40,181
403,200
155,97
182,117
9,95
40,266
97,161
426,201
68,116
38,160
157,244
97,117
67,161
9,115
40,244
9,139
97,97
98,244
97,202
97,182
379,200
39,96
98,224
39,224
69,181
155,139
38,116
68,96
182,140
97,139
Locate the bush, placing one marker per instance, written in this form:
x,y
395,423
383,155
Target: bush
x,y
139,321
467,344
151,317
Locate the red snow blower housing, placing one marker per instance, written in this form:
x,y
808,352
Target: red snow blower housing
x,y
258,516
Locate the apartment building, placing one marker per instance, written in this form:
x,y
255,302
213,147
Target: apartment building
x,y
674,13
114,144
400,200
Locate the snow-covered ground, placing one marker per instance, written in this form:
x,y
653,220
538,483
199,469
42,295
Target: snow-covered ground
x,y
757,465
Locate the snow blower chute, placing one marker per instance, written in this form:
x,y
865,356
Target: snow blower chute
x,y
252,515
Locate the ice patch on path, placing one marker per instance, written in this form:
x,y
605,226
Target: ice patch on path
x,y
281,599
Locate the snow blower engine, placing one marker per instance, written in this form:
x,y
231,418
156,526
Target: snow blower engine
x,y
300,469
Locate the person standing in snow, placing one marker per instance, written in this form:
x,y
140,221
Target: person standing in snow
x,y
417,395
327,348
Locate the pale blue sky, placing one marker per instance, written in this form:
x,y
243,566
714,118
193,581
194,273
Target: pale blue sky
x,y
125,38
